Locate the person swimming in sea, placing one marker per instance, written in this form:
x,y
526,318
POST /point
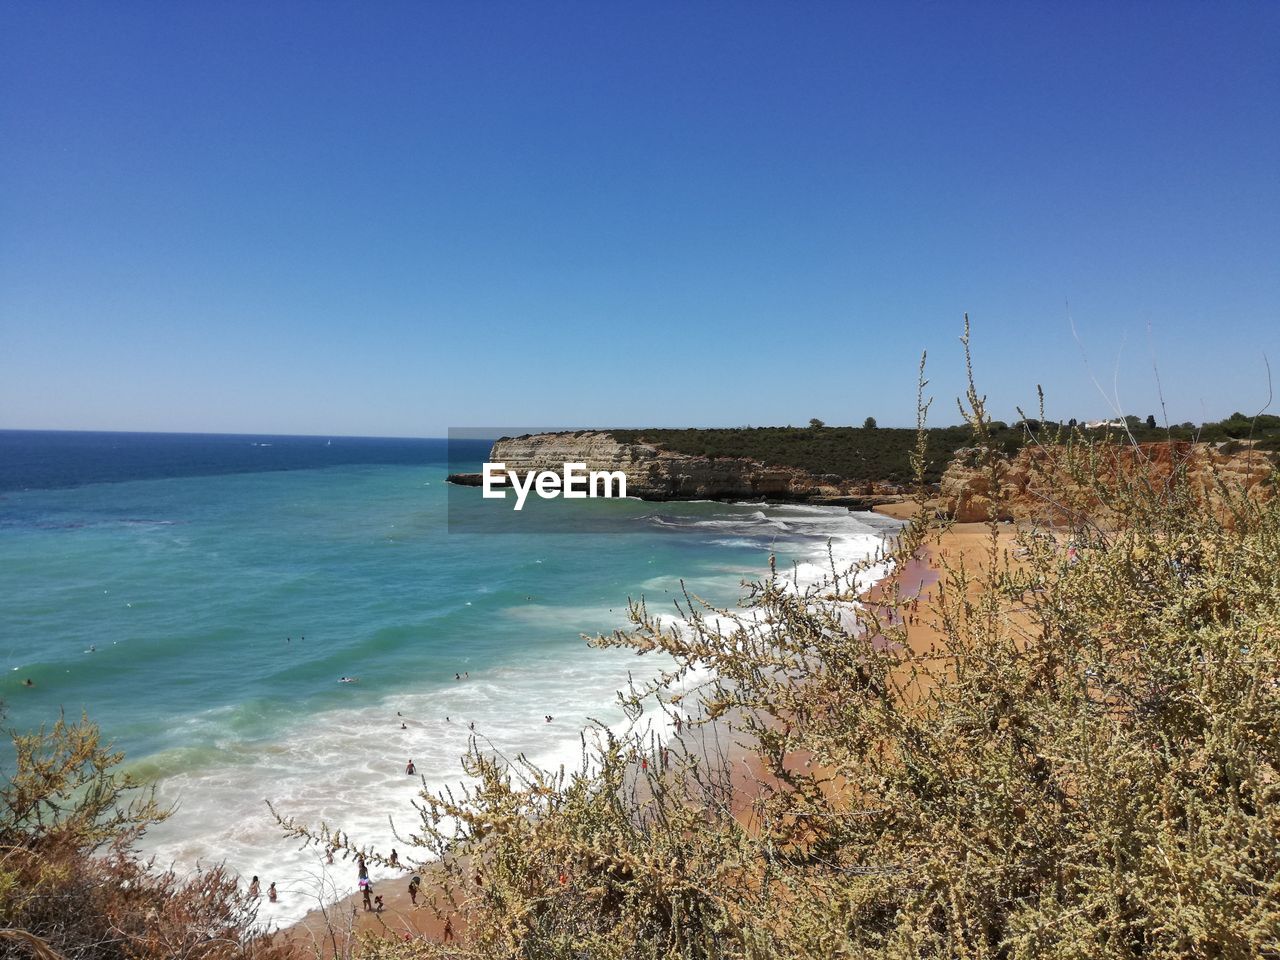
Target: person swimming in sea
x,y
410,769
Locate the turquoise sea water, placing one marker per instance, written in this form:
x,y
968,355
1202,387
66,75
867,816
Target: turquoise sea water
x,y
204,622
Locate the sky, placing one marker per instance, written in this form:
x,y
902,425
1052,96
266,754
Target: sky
x,y
396,218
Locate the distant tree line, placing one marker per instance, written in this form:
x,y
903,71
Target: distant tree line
x,y
883,454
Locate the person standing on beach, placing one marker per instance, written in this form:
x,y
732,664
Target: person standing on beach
x,y
366,889
362,868
414,883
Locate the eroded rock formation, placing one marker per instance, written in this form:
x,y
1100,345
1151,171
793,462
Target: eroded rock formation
x,y
1047,482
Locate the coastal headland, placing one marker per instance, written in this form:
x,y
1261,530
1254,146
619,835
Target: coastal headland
x,y
656,473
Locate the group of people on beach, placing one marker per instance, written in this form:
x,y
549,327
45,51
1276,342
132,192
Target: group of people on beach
x,y
255,890
373,903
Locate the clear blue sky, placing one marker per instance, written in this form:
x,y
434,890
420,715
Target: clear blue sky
x,y
384,218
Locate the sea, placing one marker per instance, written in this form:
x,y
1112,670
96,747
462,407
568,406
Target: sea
x,y
201,598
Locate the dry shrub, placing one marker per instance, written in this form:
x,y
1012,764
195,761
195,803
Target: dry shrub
x,y
71,885
1083,765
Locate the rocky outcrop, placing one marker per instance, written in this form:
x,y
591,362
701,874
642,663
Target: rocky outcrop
x,y
1048,483
657,474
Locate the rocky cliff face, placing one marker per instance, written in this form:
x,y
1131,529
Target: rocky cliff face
x,y
655,474
1043,483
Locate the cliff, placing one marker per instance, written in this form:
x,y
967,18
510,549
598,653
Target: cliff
x,y
1036,483
1042,483
657,474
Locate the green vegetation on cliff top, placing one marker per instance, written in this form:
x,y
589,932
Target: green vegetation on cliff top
x,y
883,454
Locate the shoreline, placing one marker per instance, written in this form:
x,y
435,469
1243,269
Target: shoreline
x,y
331,926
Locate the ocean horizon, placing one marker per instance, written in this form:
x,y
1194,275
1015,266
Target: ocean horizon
x,y
201,597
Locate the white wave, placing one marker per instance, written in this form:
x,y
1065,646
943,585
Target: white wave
x,y
570,618
346,768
